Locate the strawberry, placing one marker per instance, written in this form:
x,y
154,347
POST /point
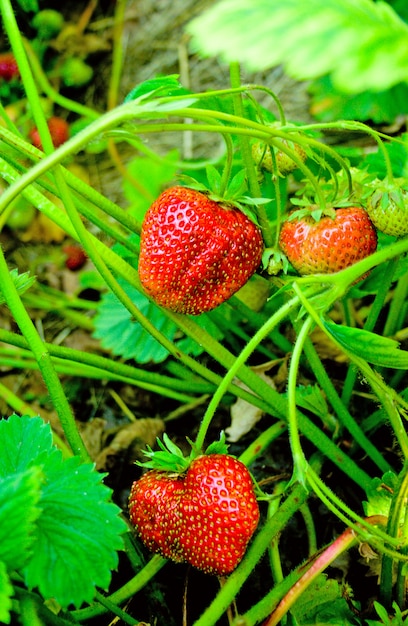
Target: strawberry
x,y
388,209
59,130
329,244
8,66
204,516
195,253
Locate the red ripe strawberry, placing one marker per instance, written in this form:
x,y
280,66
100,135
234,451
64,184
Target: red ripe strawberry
x,y
195,253
154,511
330,244
205,516
8,66
59,130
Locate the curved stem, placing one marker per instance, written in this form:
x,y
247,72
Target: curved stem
x,y
319,564
299,460
371,321
247,159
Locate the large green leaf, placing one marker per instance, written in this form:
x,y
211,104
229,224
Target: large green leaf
x,y
78,533
74,531
361,43
374,348
19,496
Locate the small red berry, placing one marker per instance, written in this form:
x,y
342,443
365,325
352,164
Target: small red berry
x,y
59,130
76,257
8,66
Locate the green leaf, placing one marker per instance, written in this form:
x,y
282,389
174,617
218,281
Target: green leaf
x,y
24,442
22,282
310,39
322,603
78,533
398,154
379,495
19,496
120,333
312,399
6,592
330,104
77,530
160,85
380,351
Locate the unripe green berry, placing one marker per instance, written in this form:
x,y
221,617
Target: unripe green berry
x,y
388,210
75,72
261,153
48,23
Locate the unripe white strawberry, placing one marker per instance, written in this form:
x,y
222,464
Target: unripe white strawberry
x,y
388,210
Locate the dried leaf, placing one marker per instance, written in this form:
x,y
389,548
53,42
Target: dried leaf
x,y
131,440
243,414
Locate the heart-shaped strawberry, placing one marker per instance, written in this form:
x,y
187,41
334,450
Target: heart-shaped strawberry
x,y
204,516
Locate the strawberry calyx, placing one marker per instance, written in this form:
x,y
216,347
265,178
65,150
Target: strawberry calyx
x,y
233,194
170,458
388,190
274,261
312,210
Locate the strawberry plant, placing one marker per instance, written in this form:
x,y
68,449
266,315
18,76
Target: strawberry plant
x,y
257,293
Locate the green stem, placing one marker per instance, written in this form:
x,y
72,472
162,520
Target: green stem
x,y
239,361
273,549
397,510
30,88
54,95
397,307
343,414
44,361
299,460
276,404
370,322
250,169
113,608
386,395
117,54
377,537
259,445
